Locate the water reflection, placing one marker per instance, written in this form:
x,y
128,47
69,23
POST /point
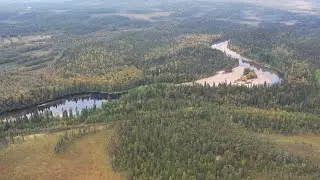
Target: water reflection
x,y
74,105
262,70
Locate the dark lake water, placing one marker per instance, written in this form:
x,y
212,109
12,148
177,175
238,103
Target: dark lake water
x,y
75,104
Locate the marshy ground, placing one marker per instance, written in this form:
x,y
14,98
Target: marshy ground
x,y
34,158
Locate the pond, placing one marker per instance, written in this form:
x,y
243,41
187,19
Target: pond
x,y
57,108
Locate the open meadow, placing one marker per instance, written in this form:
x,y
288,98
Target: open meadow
x,y
34,158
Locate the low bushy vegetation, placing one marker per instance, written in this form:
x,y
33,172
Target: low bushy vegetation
x,y
248,74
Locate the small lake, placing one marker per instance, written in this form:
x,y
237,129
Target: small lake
x,y
56,108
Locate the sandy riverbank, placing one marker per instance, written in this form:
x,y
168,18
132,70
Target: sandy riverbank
x,y
232,77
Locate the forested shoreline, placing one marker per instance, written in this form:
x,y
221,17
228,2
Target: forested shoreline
x,y
296,115
62,96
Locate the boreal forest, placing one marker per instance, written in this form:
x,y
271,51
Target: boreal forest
x,y
163,90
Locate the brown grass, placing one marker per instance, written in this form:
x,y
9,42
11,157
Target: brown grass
x,y
24,39
35,159
188,40
307,146
113,76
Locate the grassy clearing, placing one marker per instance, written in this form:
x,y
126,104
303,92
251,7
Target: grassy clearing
x,y
24,39
318,75
23,52
35,159
303,145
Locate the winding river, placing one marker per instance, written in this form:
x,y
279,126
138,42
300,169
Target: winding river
x,y
266,75
78,102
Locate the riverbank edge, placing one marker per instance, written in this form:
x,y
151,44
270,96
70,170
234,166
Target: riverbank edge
x,y
280,72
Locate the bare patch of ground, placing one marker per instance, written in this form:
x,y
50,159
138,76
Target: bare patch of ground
x,y
223,77
146,16
36,37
